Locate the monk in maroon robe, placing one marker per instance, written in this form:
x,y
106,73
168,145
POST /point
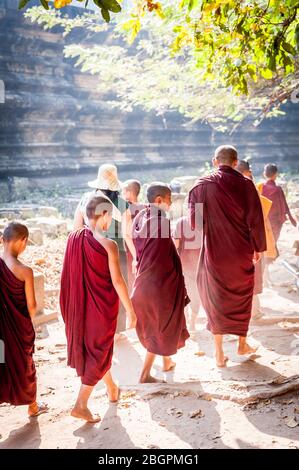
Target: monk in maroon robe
x,y
279,211
91,284
17,308
130,192
233,236
159,295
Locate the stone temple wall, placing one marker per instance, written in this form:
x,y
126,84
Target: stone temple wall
x,y
54,122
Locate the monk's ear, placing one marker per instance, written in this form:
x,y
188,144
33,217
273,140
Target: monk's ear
x,y
215,162
1,238
24,240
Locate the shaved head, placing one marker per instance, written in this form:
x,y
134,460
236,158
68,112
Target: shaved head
x,y
270,170
14,232
243,166
226,155
157,189
132,185
97,206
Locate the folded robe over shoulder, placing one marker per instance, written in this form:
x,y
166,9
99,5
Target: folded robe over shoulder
x,y
233,228
89,306
159,293
17,373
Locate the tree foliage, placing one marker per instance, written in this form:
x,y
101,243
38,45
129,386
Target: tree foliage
x,y
214,60
105,6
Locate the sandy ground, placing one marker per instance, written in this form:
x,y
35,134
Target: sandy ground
x,y
252,403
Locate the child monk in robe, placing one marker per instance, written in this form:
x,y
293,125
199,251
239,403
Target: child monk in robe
x,y
130,192
279,211
159,295
91,285
244,168
17,310
188,242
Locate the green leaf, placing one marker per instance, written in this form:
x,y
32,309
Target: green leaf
x,y
192,4
111,5
45,4
105,14
289,48
272,63
266,73
23,3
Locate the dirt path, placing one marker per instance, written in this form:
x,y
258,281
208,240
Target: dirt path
x,y
245,405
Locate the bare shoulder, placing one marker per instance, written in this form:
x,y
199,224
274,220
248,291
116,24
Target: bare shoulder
x,y
23,272
109,245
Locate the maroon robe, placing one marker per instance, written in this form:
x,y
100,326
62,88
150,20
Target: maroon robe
x,y
233,228
279,208
189,251
134,209
89,306
17,374
159,294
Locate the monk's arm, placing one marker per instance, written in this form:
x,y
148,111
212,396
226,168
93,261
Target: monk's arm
x,y
177,243
78,219
195,207
127,232
287,209
255,219
29,291
119,282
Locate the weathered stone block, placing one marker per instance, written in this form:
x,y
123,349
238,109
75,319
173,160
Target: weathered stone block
x,y
8,214
26,212
39,287
186,182
36,236
50,226
45,211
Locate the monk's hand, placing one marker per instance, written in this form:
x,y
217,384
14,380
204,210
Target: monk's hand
x,y
257,257
132,320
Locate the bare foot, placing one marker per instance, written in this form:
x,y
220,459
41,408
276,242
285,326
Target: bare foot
x,y
113,394
221,360
168,364
37,408
246,349
150,380
84,413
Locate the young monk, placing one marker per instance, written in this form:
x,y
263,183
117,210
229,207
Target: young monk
x,y
91,285
130,192
278,213
17,309
233,238
188,242
244,168
159,295
279,210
